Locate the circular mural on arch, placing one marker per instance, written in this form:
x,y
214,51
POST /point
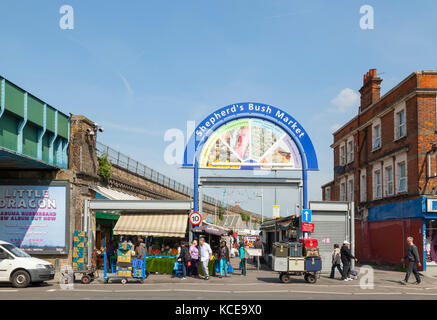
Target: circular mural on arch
x,y
250,143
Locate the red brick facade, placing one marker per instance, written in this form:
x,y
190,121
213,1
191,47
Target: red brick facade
x,y
416,97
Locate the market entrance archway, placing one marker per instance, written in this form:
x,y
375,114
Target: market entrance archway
x,y
250,136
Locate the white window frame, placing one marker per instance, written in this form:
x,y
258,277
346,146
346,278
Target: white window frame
x,y
343,190
375,124
350,189
328,194
401,158
388,183
377,169
350,149
363,185
397,125
342,155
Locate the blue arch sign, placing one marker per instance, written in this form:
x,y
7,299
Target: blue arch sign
x,y
250,110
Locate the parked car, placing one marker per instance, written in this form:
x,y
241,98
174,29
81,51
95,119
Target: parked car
x,y
20,269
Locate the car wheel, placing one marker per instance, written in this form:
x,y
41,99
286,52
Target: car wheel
x,y
20,279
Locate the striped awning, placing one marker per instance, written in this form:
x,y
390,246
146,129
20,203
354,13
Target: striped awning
x,y
152,224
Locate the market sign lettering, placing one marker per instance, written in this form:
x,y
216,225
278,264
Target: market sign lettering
x,y
250,107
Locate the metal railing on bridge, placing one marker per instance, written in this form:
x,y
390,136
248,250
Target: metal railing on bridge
x,y
119,159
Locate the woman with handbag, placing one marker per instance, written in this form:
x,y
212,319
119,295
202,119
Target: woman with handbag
x,y
224,258
194,255
184,258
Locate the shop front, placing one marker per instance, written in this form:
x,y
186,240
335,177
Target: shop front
x,y
430,233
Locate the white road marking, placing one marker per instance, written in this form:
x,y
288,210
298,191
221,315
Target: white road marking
x,y
8,290
371,293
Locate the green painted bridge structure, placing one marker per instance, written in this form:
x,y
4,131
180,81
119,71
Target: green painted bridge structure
x,y
33,134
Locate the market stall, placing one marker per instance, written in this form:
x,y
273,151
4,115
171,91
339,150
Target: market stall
x,y
141,218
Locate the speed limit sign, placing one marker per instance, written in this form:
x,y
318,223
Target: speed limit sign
x,y
195,218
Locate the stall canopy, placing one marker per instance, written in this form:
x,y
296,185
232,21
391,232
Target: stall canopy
x,y
113,194
152,224
210,229
147,217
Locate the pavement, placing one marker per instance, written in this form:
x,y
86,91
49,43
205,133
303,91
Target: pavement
x,y
257,285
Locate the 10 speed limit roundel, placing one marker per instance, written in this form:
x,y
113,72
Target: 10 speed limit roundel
x,y
195,218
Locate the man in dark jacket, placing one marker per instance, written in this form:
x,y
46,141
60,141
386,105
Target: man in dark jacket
x,y
346,257
413,259
184,258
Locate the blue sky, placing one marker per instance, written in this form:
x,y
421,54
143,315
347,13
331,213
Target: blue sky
x,y
142,67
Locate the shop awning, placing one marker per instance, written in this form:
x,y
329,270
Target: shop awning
x,y
152,224
113,194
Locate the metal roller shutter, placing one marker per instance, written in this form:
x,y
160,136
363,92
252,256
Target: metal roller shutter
x,y
330,228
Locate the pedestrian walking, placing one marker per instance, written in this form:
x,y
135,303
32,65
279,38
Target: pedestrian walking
x,y
205,256
242,259
346,257
141,249
336,261
224,258
184,258
413,261
257,245
194,254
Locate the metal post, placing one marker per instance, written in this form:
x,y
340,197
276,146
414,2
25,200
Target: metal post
x,y
305,191
85,216
352,229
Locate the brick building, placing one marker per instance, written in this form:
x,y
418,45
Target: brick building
x,y
385,161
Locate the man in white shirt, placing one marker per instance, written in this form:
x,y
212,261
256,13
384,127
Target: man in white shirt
x,y
205,255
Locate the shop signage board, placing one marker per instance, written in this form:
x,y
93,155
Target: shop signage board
x,y
306,215
276,212
307,227
195,218
36,217
431,205
254,252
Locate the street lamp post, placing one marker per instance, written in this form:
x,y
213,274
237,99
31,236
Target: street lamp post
x,y
262,205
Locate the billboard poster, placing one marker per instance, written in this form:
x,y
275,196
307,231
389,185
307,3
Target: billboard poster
x,y
35,217
250,144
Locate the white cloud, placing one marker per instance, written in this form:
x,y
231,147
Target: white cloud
x,y
335,127
345,100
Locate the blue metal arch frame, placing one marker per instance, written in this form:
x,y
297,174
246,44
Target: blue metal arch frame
x,y
242,110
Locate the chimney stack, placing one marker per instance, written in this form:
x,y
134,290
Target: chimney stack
x,y
370,91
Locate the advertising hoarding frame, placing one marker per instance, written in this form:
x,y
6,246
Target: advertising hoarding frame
x,y
49,183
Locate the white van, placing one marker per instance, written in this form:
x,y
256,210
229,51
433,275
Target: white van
x,y
17,267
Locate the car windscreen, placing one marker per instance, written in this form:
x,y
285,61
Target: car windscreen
x,y
15,251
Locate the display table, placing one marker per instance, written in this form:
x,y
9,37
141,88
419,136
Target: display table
x,y
165,265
